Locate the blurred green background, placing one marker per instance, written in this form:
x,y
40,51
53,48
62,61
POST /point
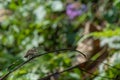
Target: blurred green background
x,y
45,23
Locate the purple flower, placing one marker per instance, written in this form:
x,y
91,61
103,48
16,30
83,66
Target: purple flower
x,y
72,11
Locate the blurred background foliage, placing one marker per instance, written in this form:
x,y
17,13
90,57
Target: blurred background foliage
x,y
45,23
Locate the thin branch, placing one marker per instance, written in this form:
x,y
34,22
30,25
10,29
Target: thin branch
x,y
106,64
76,66
27,61
62,50
70,68
105,70
17,67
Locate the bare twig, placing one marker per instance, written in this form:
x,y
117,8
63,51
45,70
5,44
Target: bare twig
x,y
70,68
57,73
27,61
105,64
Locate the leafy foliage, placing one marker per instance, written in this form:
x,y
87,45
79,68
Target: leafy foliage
x,y
27,23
